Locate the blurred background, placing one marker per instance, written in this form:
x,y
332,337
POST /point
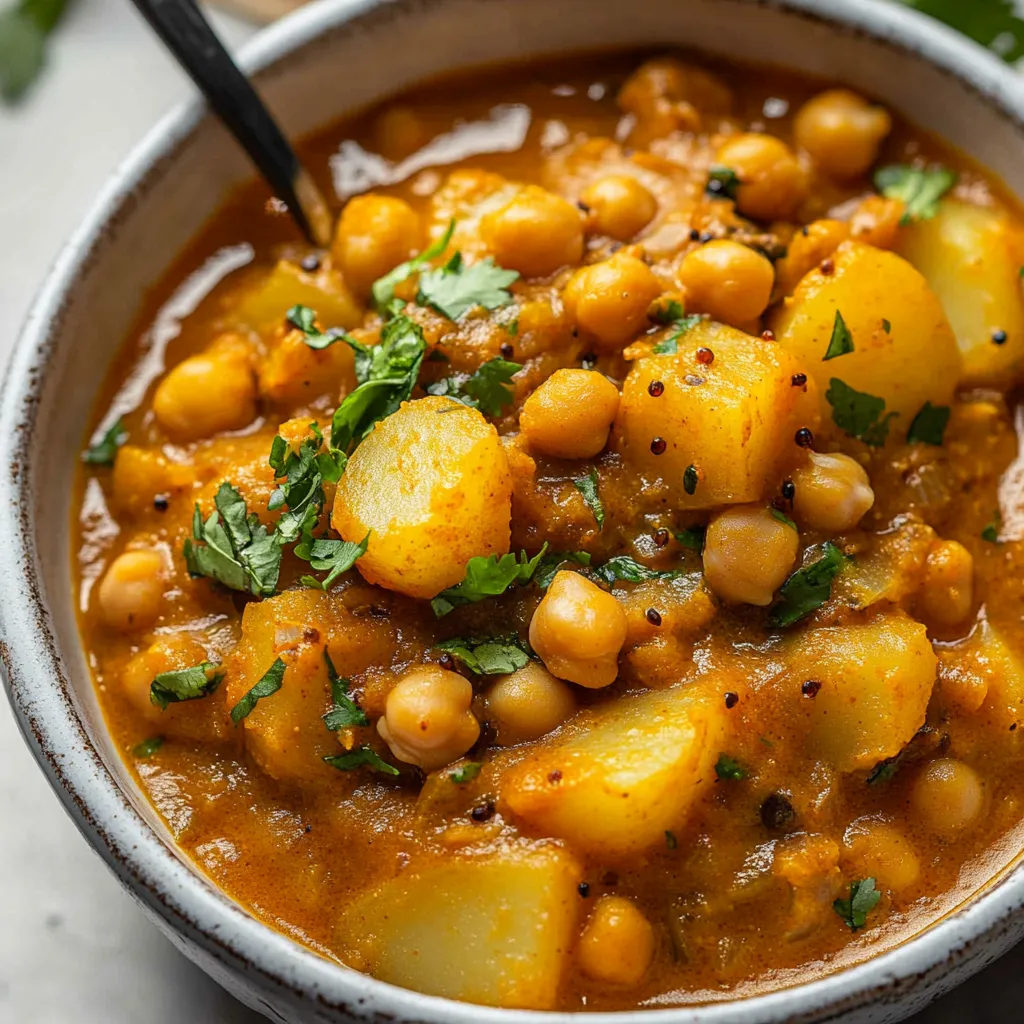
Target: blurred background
x,y
80,82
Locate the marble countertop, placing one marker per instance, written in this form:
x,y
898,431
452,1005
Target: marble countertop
x,y
73,947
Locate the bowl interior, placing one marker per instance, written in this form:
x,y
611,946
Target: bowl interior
x,y
317,67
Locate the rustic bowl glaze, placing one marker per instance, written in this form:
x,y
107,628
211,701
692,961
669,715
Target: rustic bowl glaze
x,y
329,58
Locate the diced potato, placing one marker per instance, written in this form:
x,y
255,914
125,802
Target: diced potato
x,y
492,929
875,680
293,374
734,420
984,674
915,361
264,305
140,474
612,781
971,257
433,488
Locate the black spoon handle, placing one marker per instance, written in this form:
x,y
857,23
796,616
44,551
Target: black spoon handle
x,y
188,35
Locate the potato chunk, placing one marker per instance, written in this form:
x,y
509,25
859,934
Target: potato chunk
x,y
875,680
433,487
612,781
734,419
490,929
971,257
915,361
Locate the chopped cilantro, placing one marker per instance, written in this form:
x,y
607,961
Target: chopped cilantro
x,y
185,684
723,182
304,319
670,346
841,342
466,772
729,769
104,451
384,288
487,577
233,548
863,899
361,757
587,486
777,513
670,840
858,413
148,747
692,538
488,655
269,683
512,328
345,712
552,562
929,424
690,479
487,389
920,189
456,288
886,326
334,556
666,311
991,532
808,588
627,569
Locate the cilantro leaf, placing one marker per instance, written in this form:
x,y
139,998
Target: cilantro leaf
x,y
670,346
336,556
723,182
992,23
104,451
808,588
920,189
184,684
670,840
587,486
488,655
858,413
466,772
387,374
269,683
23,31
729,769
345,712
991,532
863,899
692,538
487,389
383,290
777,513
148,747
665,311
456,288
622,567
551,563
690,479
841,342
304,319
361,757
487,577
233,548
929,425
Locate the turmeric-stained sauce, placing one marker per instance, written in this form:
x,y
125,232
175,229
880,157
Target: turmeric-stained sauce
x,y
594,582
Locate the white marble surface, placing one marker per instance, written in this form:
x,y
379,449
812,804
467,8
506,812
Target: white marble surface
x,y
73,947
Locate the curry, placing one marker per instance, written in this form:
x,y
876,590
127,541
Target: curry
x,y
594,582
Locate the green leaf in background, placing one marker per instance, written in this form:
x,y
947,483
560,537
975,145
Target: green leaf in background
x,y
23,30
993,23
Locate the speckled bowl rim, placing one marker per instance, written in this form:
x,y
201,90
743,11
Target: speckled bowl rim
x,y
191,906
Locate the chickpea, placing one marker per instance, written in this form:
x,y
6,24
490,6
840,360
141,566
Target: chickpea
x,y
570,414
748,554
877,222
807,249
617,944
536,233
726,280
877,849
841,131
374,235
427,719
132,590
528,704
772,182
620,206
610,299
399,131
948,796
207,393
578,631
947,591
833,493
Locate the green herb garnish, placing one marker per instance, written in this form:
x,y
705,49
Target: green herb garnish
x,y
334,556
777,513
690,479
808,588
488,655
670,840
920,189
863,899
665,312
723,182
104,451
886,326
991,532
361,757
304,319
883,771
858,413
670,346
628,570
269,683
23,31
728,769
841,342
488,389
466,772
456,288
929,425
487,577
185,684
993,23
345,712
587,486
692,538
148,747
384,288
549,565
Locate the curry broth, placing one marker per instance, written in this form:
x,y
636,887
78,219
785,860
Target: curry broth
x,y
295,851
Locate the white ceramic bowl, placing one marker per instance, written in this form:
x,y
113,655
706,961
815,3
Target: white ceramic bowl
x,y
329,58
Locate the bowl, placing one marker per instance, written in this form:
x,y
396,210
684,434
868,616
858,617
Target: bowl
x,y
316,65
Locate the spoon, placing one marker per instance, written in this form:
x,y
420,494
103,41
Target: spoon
x,y
188,35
